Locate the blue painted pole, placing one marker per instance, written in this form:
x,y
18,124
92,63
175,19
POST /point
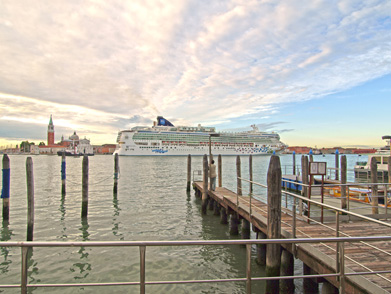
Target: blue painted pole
x,y
5,192
63,174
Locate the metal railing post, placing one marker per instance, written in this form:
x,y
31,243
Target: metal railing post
x,y
250,206
248,268
341,246
337,235
142,269
23,282
294,227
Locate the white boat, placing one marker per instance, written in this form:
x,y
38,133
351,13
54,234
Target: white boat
x,y
163,138
362,169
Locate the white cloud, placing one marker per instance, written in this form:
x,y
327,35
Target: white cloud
x,y
190,60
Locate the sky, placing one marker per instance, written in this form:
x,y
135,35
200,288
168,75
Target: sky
x,y
317,72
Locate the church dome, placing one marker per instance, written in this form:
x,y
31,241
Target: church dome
x,y
74,137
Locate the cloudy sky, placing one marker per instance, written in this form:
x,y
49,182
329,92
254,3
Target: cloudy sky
x,y
318,72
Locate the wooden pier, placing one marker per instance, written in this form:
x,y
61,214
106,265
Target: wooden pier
x,y
319,258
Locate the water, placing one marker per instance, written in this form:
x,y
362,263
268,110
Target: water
x,y
152,204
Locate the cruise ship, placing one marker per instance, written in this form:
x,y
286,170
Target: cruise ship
x,y
165,139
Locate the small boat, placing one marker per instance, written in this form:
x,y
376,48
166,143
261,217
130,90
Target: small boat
x,y
359,194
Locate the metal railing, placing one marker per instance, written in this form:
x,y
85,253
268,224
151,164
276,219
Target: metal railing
x,y
142,245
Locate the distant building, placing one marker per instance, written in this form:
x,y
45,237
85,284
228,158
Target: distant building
x,y
51,148
105,149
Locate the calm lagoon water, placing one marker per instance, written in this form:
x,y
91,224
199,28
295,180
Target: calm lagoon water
x,y
152,204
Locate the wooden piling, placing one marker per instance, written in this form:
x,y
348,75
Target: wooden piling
x,y
220,171
389,169
245,229
294,162
211,203
309,285
375,199
328,288
84,203
337,165
223,216
205,185
188,172
63,174
5,192
287,269
238,175
234,224
304,177
216,208
343,181
30,198
251,173
116,173
273,258
261,249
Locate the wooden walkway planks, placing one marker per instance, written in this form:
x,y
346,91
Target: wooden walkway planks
x,y
321,257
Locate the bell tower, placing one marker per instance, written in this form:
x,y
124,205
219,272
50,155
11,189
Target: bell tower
x,y
50,132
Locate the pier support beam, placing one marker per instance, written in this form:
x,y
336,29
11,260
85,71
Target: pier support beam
x,y
287,269
211,203
328,288
273,251
223,216
216,208
261,249
245,229
234,224
309,285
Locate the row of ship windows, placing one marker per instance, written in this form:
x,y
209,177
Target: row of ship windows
x,y
190,138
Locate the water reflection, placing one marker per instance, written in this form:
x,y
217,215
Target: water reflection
x,y
83,267
6,234
116,222
32,271
189,216
62,209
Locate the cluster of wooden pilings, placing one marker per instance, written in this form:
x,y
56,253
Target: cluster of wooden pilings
x,y
5,194
278,260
